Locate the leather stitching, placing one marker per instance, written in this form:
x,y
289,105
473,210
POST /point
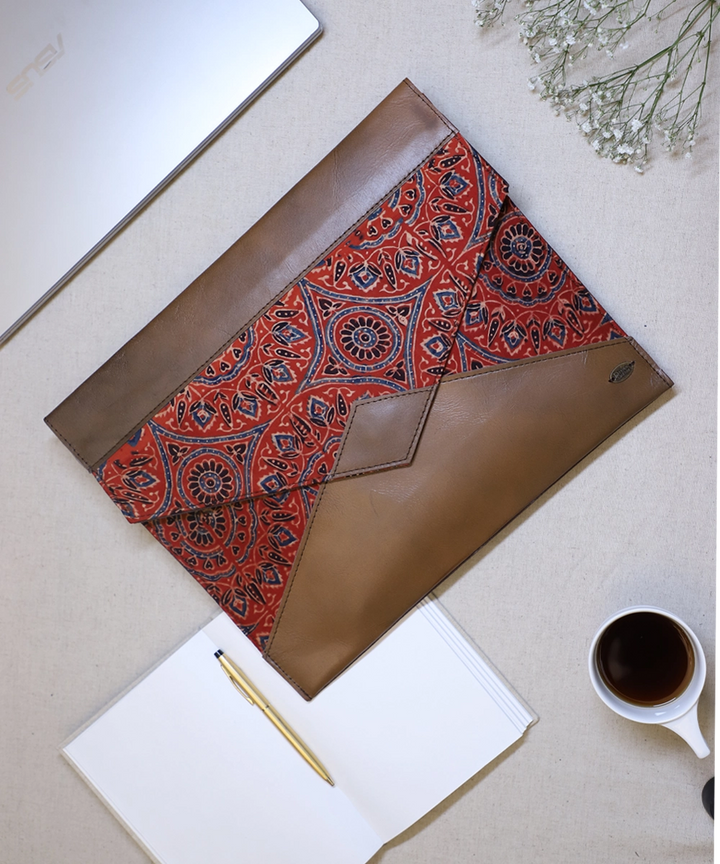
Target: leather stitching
x,y
646,357
540,358
450,380
124,438
67,444
356,407
429,104
296,567
289,677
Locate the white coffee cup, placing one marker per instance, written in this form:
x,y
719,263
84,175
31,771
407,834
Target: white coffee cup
x,y
680,712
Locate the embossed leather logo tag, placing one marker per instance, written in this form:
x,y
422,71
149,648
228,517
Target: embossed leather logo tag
x,y
622,372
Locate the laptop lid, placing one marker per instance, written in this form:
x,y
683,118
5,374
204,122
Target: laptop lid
x,y
102,103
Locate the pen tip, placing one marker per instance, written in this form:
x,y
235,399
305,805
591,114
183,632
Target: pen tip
x,y
218,653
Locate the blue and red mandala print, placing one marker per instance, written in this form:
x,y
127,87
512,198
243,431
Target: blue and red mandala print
x,y
241,553
445,275
526,302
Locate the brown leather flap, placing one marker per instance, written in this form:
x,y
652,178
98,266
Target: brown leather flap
x,y
107,409
383,432
494,440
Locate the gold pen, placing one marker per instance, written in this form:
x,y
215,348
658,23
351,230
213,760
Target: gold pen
x,y
254,697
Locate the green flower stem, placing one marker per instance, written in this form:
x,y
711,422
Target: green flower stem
x,y
612,110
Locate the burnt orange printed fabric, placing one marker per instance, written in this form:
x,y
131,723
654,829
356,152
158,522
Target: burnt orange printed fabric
x,y
445,275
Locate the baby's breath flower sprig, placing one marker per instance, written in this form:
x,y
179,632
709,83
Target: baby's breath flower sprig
x,y
619,111
560,33
487,12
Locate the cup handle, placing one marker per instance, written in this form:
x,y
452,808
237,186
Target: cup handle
x,y
688,728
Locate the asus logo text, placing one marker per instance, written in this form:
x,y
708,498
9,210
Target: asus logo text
x,y
49,55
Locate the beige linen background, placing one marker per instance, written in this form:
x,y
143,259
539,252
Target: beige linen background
x,y
90,602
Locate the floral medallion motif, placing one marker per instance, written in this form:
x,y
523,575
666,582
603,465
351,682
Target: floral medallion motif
x,y
443,276
205,527
208,478
364,338
526,302
522,251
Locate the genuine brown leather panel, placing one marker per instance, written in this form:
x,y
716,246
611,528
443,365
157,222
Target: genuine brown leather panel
x,y
393,140
382,432
494,441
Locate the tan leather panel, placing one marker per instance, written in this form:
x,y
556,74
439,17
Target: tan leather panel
x,y
493,441
382,432
325,205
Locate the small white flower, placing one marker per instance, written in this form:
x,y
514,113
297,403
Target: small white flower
x,y
550,31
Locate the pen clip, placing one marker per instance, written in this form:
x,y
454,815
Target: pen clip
x,y
237,686
254,697
233,680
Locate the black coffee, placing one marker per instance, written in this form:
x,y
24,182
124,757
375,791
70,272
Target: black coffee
x,y
645,658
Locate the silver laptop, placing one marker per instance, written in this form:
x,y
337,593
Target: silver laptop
x,y
102,102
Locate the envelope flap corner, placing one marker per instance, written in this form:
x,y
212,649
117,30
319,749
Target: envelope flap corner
x,y
382,432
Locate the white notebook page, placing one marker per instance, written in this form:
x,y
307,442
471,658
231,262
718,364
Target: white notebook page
x,y
200,776
197,773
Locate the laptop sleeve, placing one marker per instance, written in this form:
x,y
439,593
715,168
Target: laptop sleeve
x,y
367,386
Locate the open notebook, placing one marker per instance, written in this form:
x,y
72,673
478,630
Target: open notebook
x,y
196,774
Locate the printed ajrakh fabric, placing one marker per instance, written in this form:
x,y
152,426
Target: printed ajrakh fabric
x,y
526,302
443,276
